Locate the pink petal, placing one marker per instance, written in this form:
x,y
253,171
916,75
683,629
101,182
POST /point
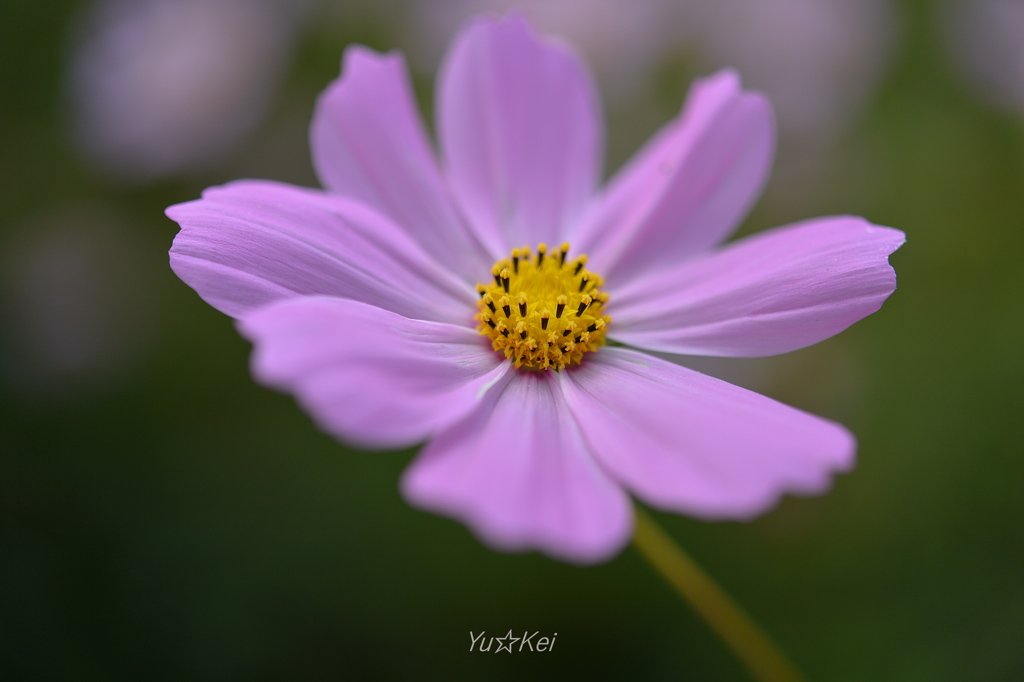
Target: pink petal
x,y
368,143
520,128
771,293
248,243
686,442
518,474
367,375
689,187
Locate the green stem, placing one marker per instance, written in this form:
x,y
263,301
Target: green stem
x,y
750,644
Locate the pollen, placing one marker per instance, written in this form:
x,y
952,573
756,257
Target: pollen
x,y
542,309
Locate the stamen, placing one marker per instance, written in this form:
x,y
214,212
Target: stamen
x,y
532,296
585,302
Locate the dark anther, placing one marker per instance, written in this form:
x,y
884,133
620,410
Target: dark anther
x,y
490,304
577,339
507,310
522,309
579,311
522,334
490,322
543,323
515,264
583,282
540,259
567,332
504,332
579,266
504,284
592,328
497,280
559,309
561,258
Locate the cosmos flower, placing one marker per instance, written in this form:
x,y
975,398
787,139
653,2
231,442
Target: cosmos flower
x,y
488,303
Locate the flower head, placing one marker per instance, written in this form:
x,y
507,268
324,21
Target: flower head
x,y
469,301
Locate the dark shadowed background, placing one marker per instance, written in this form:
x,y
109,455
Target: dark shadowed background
x,y
164,518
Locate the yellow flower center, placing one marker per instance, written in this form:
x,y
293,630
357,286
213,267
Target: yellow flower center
x,y
543,311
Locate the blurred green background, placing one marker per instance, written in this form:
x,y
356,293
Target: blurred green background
x,y
164,518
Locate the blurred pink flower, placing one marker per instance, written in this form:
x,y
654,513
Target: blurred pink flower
x,y
360,299
984,40
820,62
164,87
623,41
